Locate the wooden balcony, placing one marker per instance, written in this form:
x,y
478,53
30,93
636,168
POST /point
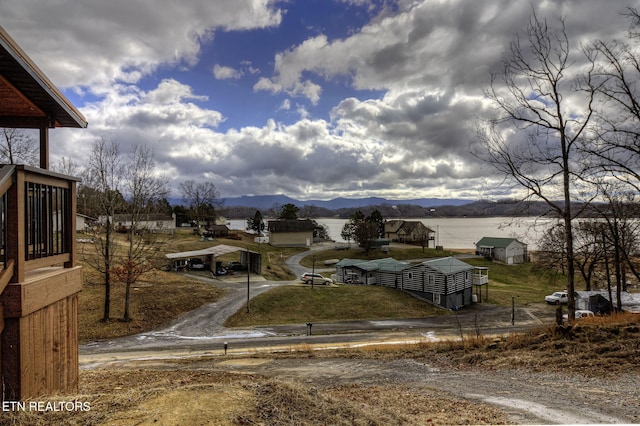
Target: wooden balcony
x,y
39,282
480,279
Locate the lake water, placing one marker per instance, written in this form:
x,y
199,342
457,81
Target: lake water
x,y
458,233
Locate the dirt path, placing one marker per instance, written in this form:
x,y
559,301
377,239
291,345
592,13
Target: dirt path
x,y
526,397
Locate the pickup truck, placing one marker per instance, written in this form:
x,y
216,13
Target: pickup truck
x,y
561,297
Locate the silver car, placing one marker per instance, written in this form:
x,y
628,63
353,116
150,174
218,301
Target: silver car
x,y
309,278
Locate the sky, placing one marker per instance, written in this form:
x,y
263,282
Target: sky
x,y
314,99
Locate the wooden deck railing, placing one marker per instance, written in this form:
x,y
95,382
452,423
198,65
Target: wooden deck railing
x,y
39,282
37,221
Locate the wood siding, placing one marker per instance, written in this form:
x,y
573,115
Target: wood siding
x,y
291,239
44,351
40,339
446,290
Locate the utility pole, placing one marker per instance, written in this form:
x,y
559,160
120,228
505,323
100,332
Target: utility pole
x,y
248,273
313,270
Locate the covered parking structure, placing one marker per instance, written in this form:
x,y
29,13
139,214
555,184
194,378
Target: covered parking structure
x,y
251,260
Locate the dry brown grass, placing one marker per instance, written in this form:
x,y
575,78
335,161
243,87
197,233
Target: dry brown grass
x,y
184,392
156,298
145,397
595,347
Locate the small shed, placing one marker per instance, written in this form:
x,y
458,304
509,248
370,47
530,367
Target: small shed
x,y
507,250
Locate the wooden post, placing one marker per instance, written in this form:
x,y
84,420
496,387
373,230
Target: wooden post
x,y
44,148
70,234
16,226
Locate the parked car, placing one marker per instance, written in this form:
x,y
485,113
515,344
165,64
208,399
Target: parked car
x,y
196,263
309,278
580,313
235,266
561,297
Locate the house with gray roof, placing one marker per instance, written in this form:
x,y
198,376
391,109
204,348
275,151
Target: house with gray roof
x,y
447,282
370,272
410,232
291,233
507,250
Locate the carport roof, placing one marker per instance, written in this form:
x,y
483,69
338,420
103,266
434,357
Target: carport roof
x,y
216,251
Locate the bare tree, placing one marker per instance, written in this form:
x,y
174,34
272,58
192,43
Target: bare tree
x,y
143,188
18,146
534,138
616,140
103,176
200,197
67,167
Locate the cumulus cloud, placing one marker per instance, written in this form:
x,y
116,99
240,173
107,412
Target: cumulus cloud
x,y
404,89
226,73
94,43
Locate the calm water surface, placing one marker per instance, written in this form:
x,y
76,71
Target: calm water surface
x,y
459,233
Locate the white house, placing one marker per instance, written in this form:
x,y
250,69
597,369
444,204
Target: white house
x,y
150,222
507,250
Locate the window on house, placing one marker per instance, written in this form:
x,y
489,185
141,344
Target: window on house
x,y
436,299
410,275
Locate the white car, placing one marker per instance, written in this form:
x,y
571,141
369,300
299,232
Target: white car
x,y
580,313
196,263
561,297
308,278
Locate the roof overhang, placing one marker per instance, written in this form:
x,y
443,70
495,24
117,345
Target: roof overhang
x,y
214,251
29,99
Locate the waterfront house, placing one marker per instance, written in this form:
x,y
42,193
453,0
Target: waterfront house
x,y
383,272
447,282
291,233
507,250
409,232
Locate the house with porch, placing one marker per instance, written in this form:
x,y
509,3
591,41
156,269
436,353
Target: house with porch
x,y
506,250
409,232
39,274
447,282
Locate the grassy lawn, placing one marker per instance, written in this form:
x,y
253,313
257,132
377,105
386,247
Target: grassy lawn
x,y
528,283
300,304
161,296
157,298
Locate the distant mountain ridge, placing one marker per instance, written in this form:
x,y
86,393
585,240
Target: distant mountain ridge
x,y
268,201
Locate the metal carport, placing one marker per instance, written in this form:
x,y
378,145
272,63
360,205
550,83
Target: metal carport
x,y
251,259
